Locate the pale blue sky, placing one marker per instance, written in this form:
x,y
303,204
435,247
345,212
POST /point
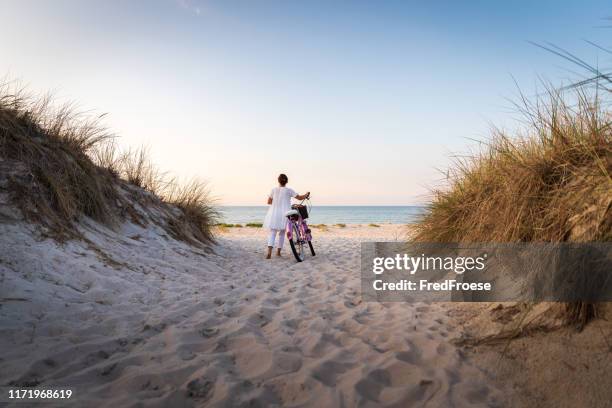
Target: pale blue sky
x,y
359,102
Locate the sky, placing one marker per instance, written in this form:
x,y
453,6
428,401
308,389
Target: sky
x,y
359,102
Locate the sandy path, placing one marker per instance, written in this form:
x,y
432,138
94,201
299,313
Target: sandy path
x,y
297,334
174,328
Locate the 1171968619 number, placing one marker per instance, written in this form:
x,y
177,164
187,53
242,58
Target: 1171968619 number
x,y
39,393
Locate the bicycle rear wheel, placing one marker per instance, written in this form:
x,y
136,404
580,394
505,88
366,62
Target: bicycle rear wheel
x,y
297,243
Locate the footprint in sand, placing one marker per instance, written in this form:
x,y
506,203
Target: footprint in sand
x,y
328,372
371,386
411,356
252,359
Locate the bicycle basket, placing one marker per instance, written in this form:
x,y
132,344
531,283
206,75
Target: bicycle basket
x,y
301,209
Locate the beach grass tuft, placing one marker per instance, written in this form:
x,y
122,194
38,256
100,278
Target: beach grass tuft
x,y
340,225
254,224
550,183
374,225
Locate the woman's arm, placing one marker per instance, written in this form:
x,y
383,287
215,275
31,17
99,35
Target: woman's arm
x,y
303,196
269,200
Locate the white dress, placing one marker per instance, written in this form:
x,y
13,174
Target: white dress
x,y
281,203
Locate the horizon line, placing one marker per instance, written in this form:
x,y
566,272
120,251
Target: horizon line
x,y
328,205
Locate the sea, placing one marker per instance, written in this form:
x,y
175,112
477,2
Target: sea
x,y
327,214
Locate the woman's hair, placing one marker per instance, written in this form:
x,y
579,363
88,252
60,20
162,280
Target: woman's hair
x,y
283,179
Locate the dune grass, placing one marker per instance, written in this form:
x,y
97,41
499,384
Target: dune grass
x,y
54,148
66,165
254,224
340,225
551,183
374,225
198,215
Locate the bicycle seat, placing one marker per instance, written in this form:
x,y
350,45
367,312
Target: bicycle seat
x,y
291,212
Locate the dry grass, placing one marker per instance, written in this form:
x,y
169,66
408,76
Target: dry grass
x,y
197,215
136,168
67,166
62,183
552,183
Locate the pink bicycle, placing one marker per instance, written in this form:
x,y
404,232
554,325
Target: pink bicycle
x,y
298,232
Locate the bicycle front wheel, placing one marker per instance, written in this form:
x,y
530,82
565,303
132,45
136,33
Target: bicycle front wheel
x,y
297,243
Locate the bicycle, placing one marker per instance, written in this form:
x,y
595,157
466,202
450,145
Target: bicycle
x,y
297,230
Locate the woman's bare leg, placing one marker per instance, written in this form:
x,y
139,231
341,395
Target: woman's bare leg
x,y
269,253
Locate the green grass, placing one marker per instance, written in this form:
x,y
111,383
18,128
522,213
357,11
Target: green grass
x,y
254,224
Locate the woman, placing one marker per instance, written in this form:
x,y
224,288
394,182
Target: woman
x,y
279,201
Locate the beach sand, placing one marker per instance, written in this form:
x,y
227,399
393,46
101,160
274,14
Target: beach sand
x,y
133,316
318,344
